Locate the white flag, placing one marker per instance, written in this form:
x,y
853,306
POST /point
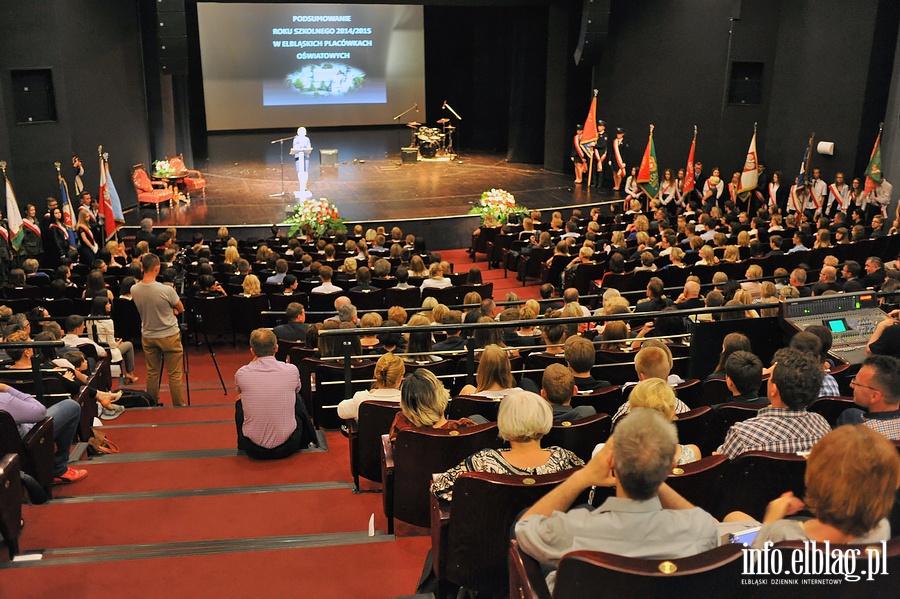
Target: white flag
x,y
750,176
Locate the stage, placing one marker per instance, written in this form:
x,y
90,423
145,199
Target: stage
x,y
369,184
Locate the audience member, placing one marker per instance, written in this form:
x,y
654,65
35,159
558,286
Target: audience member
x,y
876,389
785,426
558,387
646,518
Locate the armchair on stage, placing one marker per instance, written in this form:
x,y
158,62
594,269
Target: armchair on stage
x,y
149,192
192,181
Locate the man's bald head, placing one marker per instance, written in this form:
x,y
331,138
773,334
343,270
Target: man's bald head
x,y
691,289
341,301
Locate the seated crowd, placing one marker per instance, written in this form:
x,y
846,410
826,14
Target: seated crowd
x,y
645,517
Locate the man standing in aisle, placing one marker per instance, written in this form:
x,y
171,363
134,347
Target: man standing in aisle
x,y
158,306
301,150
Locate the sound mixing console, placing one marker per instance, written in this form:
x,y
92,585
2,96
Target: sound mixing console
x,y
851,317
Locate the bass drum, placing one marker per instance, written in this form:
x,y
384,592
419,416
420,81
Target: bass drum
x,y
428,149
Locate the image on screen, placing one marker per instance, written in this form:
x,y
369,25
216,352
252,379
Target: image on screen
x,y
837,325
283,65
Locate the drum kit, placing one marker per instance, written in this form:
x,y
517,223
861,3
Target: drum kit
x,y
433,141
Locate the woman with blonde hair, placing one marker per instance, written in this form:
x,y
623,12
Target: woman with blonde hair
x,y
657,394
389,373
417,267
231,255
707,256
732,254
436,278
754,274
494,377
743,239
742,296
423,403
348,267
676,257
251,286
522,420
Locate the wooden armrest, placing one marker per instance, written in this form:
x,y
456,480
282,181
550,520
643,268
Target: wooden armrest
x,y
159,184
440,522
39,449
387,480
526,580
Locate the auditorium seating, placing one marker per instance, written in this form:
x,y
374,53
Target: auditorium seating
x,y
464,406
10,502
755,478
470,535
35,449
700,482
321,402
579,436
831,408
374,420
581,573
408,463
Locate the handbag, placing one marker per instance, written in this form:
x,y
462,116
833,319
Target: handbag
x,y
100,443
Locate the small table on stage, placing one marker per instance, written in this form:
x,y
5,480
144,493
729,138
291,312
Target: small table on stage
x,y
172,184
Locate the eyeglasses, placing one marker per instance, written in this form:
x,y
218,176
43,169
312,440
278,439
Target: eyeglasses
x,y
853,383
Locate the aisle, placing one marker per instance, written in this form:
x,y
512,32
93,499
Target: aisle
x,y
178,513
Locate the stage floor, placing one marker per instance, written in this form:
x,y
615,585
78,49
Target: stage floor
x,y
368,183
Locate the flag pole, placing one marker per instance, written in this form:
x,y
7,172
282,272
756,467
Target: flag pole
x,y
591,159
645,193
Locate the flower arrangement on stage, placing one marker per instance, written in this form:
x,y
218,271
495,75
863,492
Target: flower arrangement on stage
x,y
162,168
319,214
499,204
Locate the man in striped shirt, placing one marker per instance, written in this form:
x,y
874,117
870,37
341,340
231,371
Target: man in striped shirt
x,y
271,418
785,426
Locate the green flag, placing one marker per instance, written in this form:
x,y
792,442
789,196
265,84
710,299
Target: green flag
x,y
648,174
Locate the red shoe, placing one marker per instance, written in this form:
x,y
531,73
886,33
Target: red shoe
x,y
70,476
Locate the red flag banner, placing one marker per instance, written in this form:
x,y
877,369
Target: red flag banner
x,y
589,133
689,171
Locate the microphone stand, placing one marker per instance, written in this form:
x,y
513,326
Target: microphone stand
x,y
280,143
458,118
413,107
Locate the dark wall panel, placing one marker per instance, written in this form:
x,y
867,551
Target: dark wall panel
x,y
664,64
820,81
94,50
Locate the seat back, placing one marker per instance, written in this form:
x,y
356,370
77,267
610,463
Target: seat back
x,y
246,312
724,417
35,449
213,315
579,436
831,408
449,296
140,179
485,290
712,392
700,482
538,362
755,478
322,302
405,298
604,401
582,573
126,319
10,502
367,300
326,396
464,406
692,425
485,506
374,419
418,453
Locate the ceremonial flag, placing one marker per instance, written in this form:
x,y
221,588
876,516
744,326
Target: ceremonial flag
x,y
648,174
110,204
65,206
750,176
589,132
873,171
689,171
804,166
13,216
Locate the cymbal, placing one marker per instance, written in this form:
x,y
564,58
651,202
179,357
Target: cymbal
x,y
444,120
413,124
449,128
